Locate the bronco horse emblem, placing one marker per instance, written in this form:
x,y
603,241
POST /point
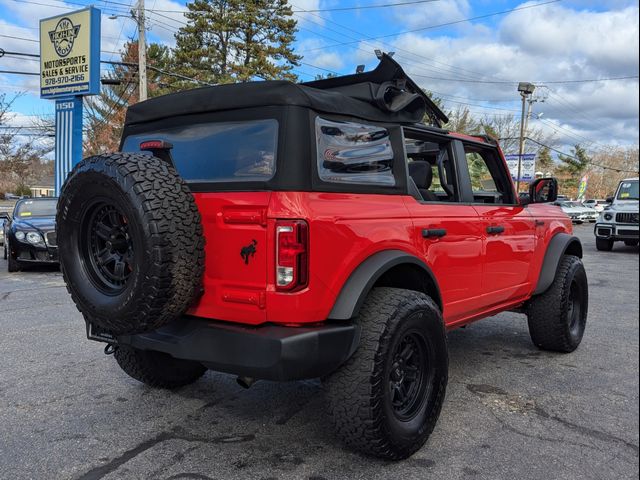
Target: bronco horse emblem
x,y
249,250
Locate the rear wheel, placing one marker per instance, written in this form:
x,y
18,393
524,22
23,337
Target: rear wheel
x,y
558,317
604,244
157,369
386,399
631,243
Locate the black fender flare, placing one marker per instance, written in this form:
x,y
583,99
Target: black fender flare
x,y
559,245
361,281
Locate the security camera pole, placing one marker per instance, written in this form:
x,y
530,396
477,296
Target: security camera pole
x,y
525,89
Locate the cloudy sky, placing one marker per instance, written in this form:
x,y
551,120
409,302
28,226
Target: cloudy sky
x,y
470,53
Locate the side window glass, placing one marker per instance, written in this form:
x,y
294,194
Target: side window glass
x,y
481,179
436,184
488,178
356,153
430,168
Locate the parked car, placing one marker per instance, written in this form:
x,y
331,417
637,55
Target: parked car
x,y
30,233
4,216
286,231
577,212
619,221
597,205
11,196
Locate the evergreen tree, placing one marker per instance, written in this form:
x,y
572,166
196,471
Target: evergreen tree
x,y
544,162
105,113
572,168
228,41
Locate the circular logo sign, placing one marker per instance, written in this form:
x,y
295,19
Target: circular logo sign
x,y
63,36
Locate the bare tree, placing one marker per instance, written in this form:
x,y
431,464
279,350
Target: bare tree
x,y
609,166
21,153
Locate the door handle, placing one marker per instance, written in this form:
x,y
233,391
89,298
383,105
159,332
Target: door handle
x,y
495,230
539,223
433,232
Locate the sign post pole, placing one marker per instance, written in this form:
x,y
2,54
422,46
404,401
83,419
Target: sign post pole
x,y
68,146
69,70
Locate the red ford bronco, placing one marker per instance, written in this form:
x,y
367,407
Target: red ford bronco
x,y
328,229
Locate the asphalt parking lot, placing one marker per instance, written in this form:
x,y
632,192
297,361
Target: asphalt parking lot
x,y
68,411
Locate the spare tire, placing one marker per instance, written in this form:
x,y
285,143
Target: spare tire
x,y
130,242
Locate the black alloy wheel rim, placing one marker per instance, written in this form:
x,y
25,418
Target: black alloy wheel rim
x,y
109,248
574,310
409,377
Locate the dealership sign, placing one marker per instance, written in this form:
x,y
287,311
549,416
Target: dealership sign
x,y
70,54
527,167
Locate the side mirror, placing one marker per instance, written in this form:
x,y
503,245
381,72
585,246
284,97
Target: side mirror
x,y
543,190
609,200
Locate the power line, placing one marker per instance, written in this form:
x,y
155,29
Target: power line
x,y
109,62
369,7
439,25
513,82
19,38
372,45
13,72
573,157
450,67
334,9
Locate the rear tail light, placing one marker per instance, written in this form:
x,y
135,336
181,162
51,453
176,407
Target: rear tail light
x,y
292,255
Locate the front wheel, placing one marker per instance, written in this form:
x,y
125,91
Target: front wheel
x,y
385,400
157,369
558,317
13,265
604,244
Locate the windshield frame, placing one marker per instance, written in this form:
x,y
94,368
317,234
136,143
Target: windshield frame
x,y
619,192
20,203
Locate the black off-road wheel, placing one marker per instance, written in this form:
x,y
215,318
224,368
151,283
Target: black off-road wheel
x,y
558,317
385,400
157,369
604,244
130,242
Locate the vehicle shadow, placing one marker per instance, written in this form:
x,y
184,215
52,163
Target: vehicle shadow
x,y
276,411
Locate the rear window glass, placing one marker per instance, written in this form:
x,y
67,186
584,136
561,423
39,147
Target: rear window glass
x,y
219,152
354,153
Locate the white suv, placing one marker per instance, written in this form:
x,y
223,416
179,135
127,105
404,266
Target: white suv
x,y
619,221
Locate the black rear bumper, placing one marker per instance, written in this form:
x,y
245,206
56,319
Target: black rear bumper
x,y
269,352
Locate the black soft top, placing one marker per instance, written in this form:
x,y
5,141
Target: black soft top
x,y
385,94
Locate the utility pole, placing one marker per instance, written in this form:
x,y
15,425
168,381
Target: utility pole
x,y
142,53
525,89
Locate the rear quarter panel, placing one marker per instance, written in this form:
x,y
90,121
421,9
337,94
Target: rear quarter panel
x,y
344,230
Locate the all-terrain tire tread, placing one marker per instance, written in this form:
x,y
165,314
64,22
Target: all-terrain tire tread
x,y
156,369
175,240
351,392
546,312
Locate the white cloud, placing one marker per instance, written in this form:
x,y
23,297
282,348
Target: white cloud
x,y
301,12
541,44
420,15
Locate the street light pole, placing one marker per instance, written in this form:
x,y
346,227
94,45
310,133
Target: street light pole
x,y
525,90
142,53
521,148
